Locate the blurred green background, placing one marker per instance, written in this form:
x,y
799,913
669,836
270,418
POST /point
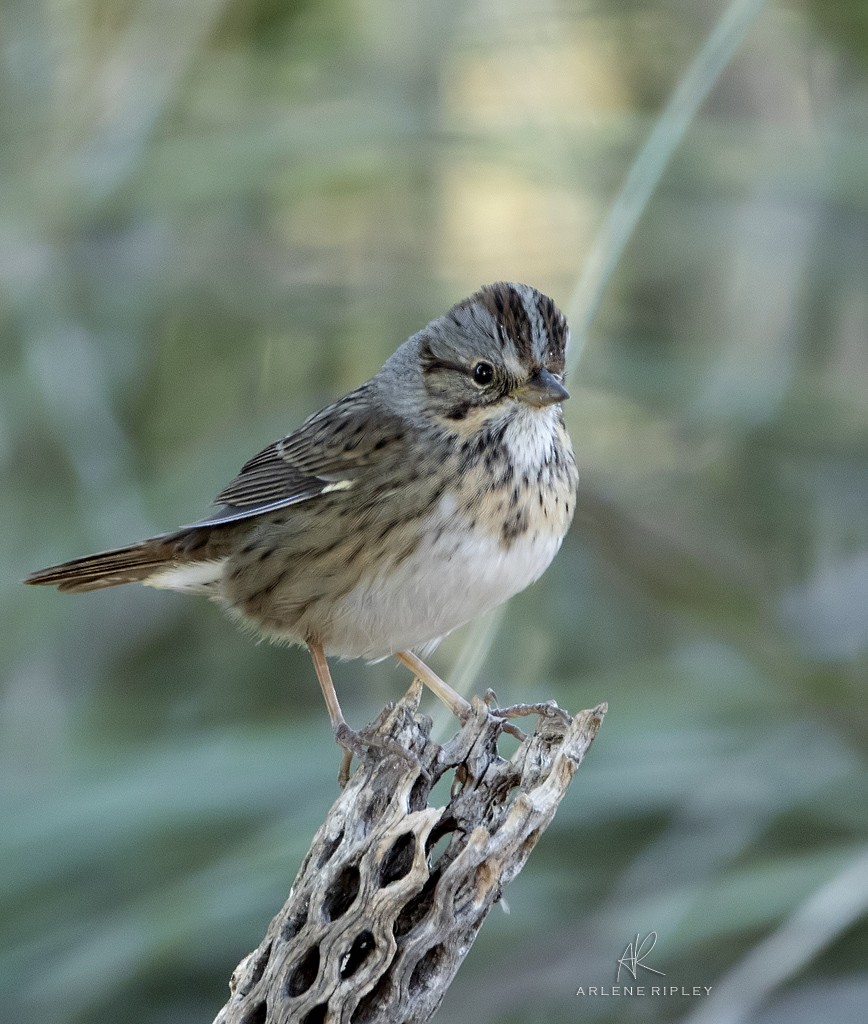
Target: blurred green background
x,y
216,216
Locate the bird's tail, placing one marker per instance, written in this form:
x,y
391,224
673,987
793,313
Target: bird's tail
x,y
132,564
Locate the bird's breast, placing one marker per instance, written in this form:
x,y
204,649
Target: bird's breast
x,y
489,534
455,570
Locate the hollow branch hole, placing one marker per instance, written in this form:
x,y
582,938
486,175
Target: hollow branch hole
x,y
399,859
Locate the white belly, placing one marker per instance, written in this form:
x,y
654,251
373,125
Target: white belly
x,y
441,586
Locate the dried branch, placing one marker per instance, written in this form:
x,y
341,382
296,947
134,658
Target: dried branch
x,y
392,892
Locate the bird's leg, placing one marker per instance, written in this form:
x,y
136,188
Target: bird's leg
x,y
451,698
345,736
351,741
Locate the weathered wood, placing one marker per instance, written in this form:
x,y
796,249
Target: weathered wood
x,y
392,892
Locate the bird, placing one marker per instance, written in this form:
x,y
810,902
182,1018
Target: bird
x,y
423,498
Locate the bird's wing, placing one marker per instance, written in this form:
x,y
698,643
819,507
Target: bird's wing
x,y
329,452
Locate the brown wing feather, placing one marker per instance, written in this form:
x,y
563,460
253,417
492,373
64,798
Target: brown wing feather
x,y
336,444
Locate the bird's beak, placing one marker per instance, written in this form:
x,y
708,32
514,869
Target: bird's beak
x,y
542,389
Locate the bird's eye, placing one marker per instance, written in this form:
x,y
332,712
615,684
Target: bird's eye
x,y
482,373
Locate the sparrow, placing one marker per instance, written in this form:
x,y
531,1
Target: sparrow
x,y
425,497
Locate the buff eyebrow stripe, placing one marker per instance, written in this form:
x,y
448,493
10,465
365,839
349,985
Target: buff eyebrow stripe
x,y
443,364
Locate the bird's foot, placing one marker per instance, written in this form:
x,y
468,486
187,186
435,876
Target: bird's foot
x,y
350,741
361,744
545,709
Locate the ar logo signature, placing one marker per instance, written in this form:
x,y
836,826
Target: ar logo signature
x,y
634,956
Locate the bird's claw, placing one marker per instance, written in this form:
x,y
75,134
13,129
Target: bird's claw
x,y
360,744
545,709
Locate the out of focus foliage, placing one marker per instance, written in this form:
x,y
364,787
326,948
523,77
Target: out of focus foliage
x,y
216,215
